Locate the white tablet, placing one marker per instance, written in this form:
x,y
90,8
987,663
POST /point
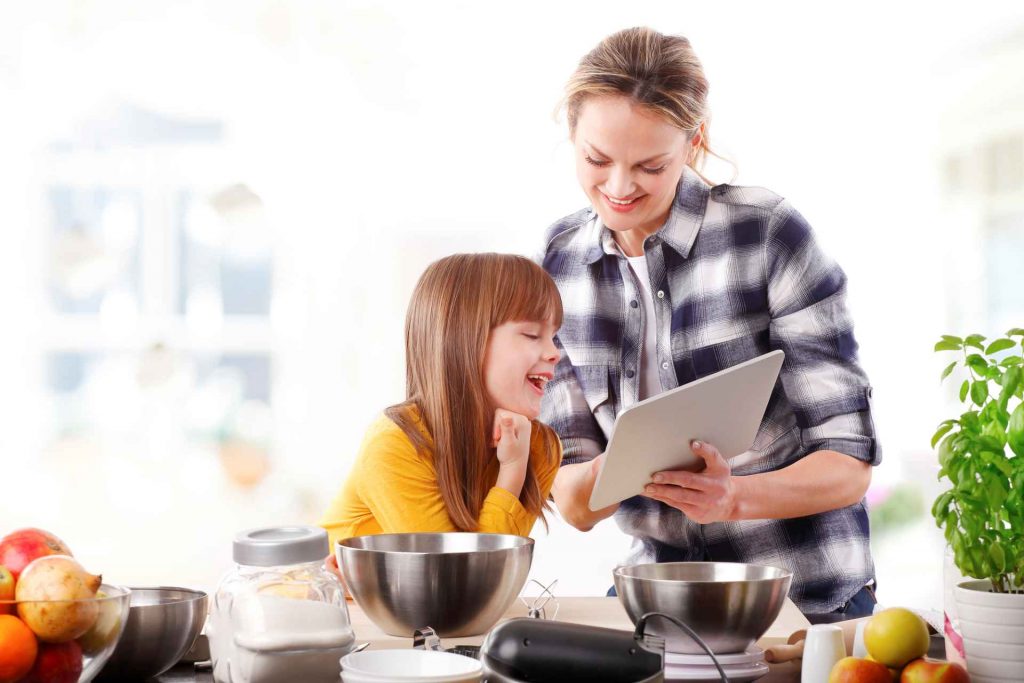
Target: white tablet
x,y
724,409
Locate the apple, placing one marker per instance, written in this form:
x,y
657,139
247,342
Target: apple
x,y
6,590
106,629
895,636
60,663
54,597
19,548
931,671
858,670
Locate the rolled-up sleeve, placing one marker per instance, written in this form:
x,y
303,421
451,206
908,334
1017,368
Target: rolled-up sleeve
x,y
822,378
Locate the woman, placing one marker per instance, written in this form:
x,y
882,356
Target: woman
x,y
665,279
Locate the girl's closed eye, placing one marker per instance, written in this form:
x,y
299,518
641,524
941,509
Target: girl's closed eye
x,y
654,171
595,162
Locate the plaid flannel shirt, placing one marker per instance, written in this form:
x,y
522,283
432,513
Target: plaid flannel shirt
x,y
736,272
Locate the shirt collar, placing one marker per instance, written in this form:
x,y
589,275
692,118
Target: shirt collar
x,y
679,231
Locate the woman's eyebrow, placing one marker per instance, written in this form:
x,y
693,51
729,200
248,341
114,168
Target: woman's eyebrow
x,y
645,161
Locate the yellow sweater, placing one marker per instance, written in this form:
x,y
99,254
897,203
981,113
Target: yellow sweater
x,y
393,489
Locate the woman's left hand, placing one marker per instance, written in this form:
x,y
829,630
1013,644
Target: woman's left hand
x,y
705,497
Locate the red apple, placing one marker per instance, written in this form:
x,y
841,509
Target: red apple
x,y
857,670
930,671
56,664
6,590
20,547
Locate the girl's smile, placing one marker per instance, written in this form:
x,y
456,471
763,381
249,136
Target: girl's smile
x,y
519,362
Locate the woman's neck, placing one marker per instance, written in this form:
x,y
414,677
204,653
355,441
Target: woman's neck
x,y
631,242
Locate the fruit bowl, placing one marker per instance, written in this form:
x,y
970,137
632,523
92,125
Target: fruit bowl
x,y
77,659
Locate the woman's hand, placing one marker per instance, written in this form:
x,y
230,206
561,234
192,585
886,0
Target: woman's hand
x,y
512,442
572,489
705,497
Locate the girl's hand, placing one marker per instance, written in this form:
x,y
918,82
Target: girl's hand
x,y
512,438
704,497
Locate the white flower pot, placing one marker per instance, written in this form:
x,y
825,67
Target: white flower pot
x,y
993,628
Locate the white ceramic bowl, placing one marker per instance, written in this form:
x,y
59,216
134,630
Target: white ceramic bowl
x,y
421,666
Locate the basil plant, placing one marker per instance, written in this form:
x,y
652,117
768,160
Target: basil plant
x,y
981,453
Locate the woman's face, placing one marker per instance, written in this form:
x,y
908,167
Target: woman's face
x,y
519,361
628,161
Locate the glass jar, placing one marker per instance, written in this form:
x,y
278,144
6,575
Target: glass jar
x,y
279,615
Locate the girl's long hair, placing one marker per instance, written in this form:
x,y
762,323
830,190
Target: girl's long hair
x,y
457,302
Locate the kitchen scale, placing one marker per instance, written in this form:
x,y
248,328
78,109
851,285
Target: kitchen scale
x,y
739,666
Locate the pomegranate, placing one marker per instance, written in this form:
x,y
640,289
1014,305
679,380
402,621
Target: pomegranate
x,y
67,589
20,547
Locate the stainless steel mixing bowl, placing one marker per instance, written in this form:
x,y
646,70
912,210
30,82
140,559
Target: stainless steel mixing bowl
x,y
729,605
162,625
458,583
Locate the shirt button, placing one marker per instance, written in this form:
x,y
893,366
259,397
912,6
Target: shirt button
x,y
661,294
664,366
633,303
630,373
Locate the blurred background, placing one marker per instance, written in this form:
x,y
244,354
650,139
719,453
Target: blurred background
x,y
212,215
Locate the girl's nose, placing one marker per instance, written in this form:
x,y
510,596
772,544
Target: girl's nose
x,y
551,353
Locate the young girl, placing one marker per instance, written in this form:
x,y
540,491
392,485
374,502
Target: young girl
x,y
464,452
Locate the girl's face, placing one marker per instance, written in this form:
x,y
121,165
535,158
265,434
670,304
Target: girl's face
x,y
519,361
628,161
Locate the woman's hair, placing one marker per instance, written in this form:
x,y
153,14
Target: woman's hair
x,y
660,73
457,302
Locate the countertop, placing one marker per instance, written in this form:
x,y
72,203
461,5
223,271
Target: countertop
x,y
606,612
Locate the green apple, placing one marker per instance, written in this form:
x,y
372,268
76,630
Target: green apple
x,y
105,630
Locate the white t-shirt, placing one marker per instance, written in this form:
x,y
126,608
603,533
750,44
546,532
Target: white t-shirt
x,y
650,378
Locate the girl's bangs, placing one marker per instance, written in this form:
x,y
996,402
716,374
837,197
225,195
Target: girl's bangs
x,y
527,292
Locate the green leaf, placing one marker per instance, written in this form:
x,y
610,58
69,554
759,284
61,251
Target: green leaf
x,y
951,338
1015,431
941,505
1003,466
942,431
1000,345
947,346
979,392
1015,332
977,363
995,431
975,341
1011,360
1011,380
964,388
946,452
969,422
995,551
949,369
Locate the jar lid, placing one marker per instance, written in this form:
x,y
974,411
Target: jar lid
x,y
283,545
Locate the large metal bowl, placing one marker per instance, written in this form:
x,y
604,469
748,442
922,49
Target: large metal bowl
x,y
162,625
459,584
729,605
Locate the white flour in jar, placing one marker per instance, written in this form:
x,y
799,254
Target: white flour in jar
x,y
271,639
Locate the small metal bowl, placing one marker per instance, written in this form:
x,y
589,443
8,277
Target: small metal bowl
x,y
730,605
163,623
457,583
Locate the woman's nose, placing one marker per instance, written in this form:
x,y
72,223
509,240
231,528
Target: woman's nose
x,y
620,183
